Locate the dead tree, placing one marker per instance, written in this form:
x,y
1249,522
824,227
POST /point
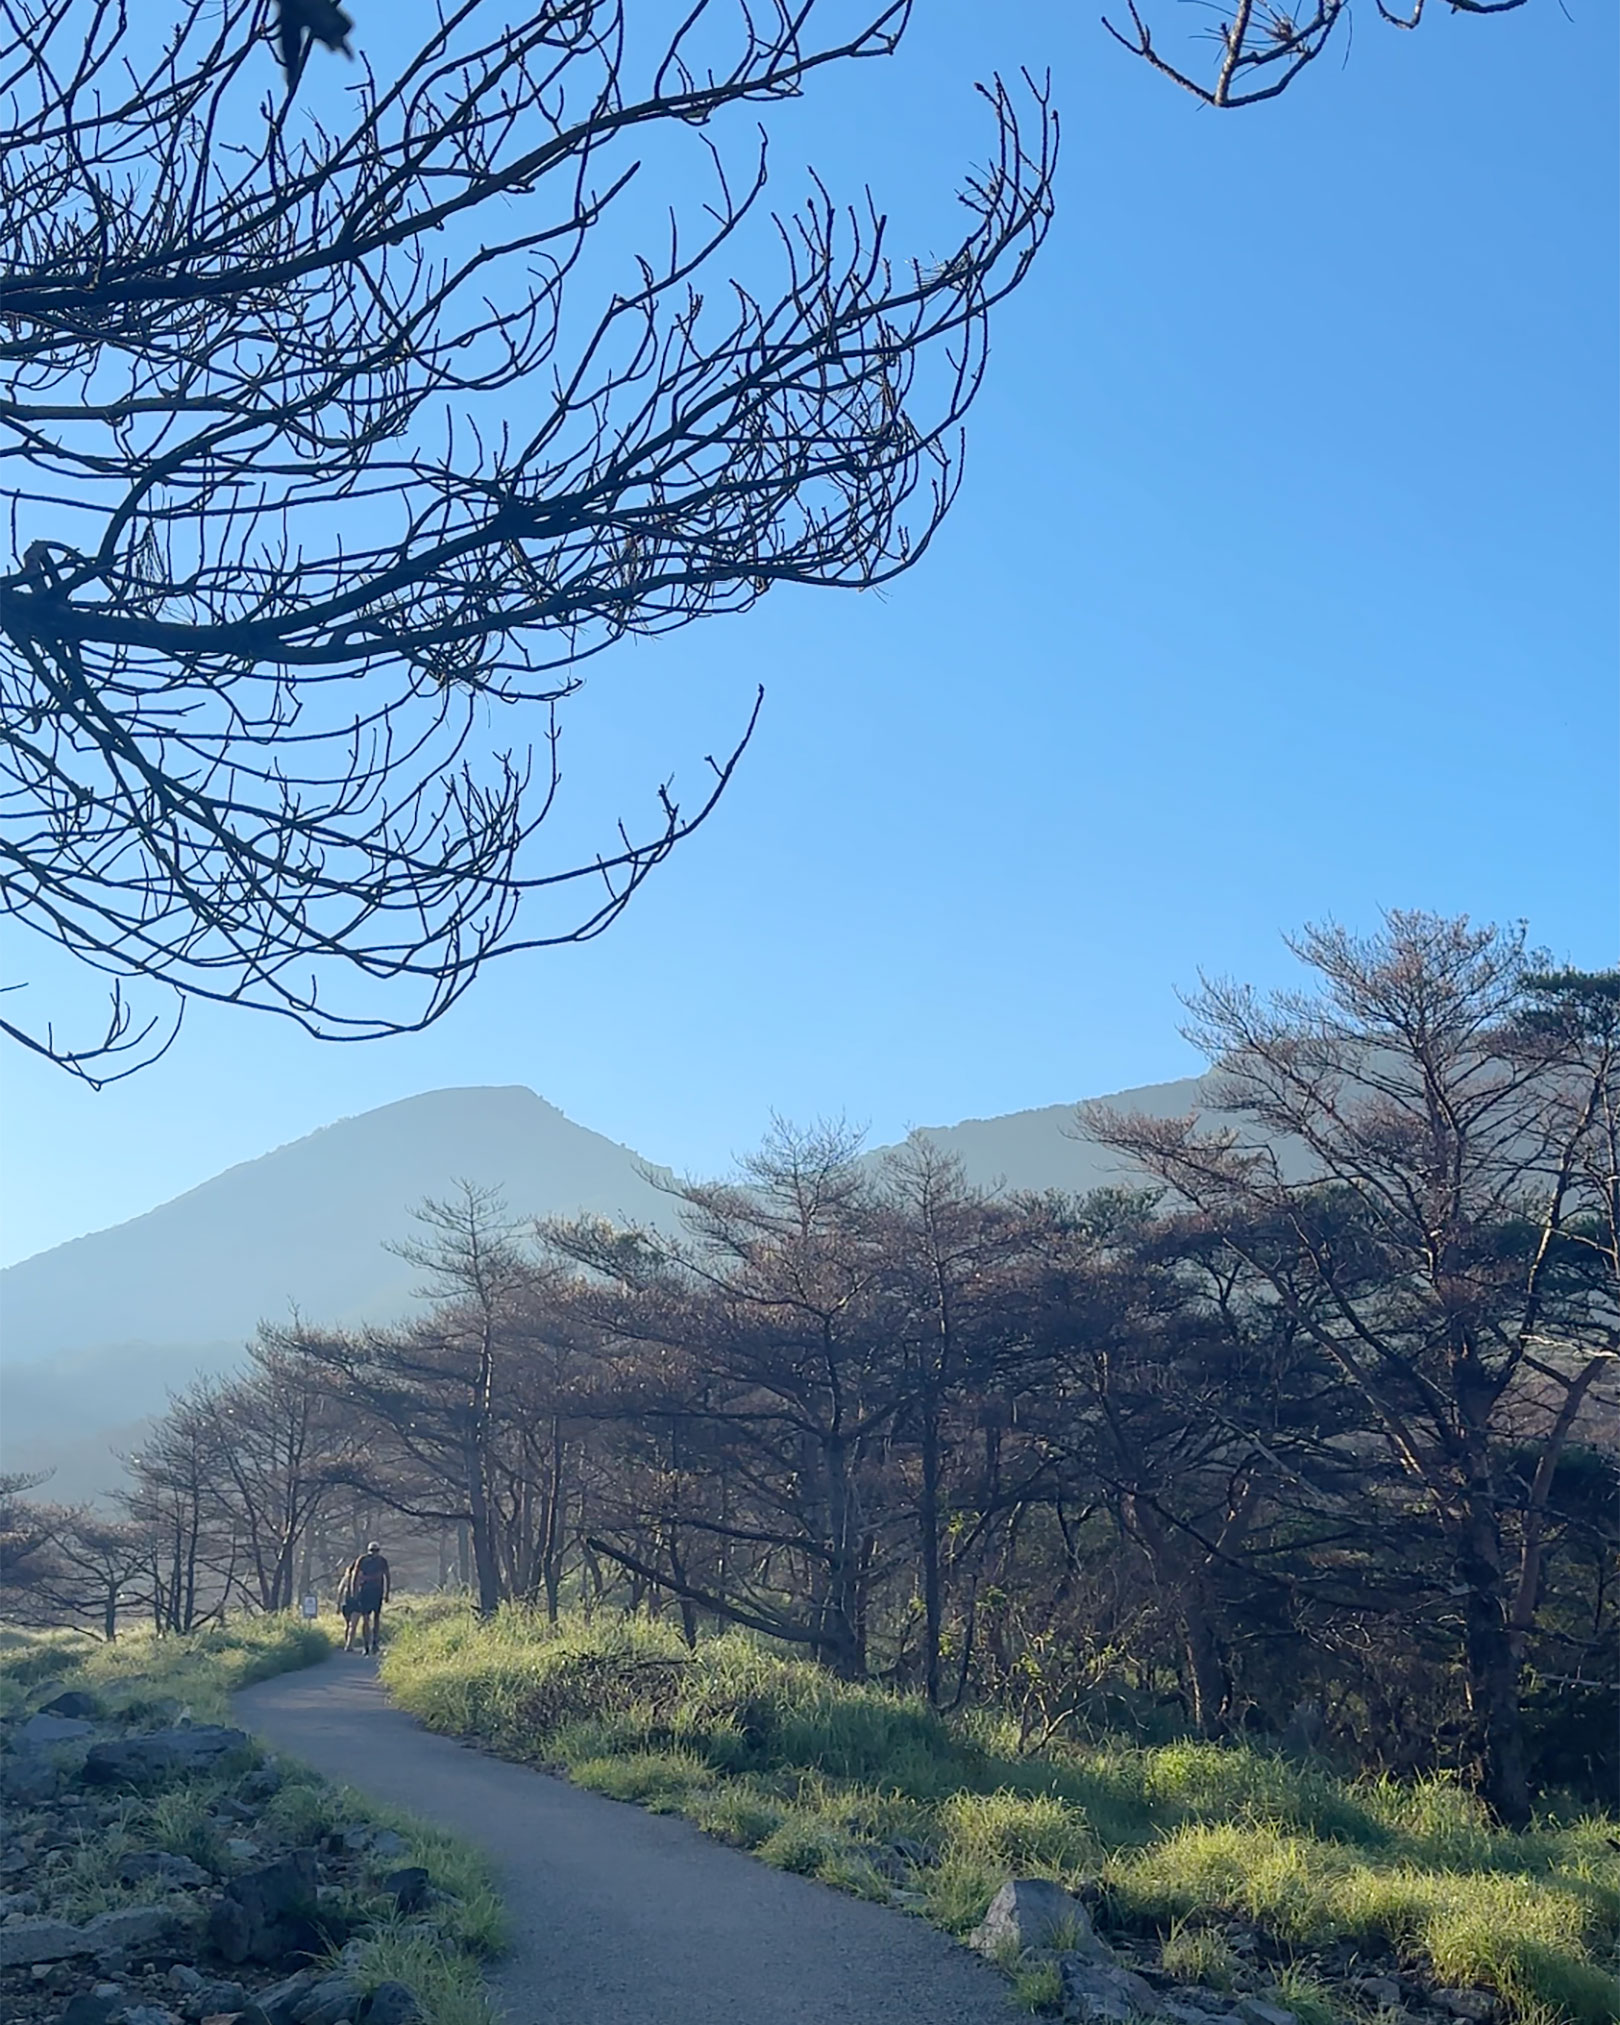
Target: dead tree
x,y
321,463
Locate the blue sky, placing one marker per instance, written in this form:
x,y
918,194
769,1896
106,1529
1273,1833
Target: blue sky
x,y
1282,586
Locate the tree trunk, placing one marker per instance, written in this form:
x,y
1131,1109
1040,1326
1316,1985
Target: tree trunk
x,y
928,1518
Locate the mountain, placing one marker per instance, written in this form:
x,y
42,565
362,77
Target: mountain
x,y
97,1331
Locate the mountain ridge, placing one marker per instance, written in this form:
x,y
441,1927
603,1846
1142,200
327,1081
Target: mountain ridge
x,y
122,1315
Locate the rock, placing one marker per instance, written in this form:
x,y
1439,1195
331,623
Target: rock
x,y
408,1886
334,2000
18,1902
164,1754
214,1999
184,1977
131,1926
29,1779
90,2008
227,1809
385,1843
239,1847
390,2004
1254,2011
1195,2008
1478,2006
920,1855
250,2014
1383,1991
40,1940
147,2014
160,1867
1033,1912
74,1702
1097,1993
279,2004
48,1729
268,1914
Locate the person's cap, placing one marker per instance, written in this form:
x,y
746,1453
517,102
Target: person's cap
x,y
372,1547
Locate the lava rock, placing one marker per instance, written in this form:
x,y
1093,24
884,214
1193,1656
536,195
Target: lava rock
x,y
212,2000
1033,1912
390,2004
1477,2006
1098,1993
73,1702
48,1729
29,1779
164,1754
24,1941
268,1914
334,2000
1383,1991
89,2008
1254,2011
408,1886
920,1855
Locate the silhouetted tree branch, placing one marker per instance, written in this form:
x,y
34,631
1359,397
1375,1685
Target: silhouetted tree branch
x,y
1260,46
317,460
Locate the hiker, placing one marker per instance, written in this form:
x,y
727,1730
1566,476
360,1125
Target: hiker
x,y
365,1590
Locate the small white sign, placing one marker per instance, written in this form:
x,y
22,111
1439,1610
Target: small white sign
x,y
312,1606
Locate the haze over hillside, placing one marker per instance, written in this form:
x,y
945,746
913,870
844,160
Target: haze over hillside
x,y
97,1331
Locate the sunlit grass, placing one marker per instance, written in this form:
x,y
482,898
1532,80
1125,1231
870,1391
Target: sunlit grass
x,y
772,1754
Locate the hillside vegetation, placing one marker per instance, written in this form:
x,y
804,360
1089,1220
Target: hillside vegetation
x,y
1208,1860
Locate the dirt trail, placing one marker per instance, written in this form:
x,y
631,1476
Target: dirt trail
x,y
619,1917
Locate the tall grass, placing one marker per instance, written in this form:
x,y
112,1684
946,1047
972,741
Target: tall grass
x,y
772,1754
142,1673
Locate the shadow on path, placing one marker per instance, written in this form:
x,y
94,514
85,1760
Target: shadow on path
x,y
620,1917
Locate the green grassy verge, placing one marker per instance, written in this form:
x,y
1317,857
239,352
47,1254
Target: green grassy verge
x,y
145,1682
142,1672
816,1776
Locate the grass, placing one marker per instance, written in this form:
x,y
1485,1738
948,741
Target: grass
x,y
146,1681
771,1754
142,1674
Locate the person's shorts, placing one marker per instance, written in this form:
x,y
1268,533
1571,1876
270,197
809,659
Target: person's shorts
x,y
368,1599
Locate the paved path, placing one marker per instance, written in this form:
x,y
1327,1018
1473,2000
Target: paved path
x,y
619,1917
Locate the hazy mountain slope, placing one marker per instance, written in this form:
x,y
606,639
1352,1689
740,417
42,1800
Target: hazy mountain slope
x,y
307,1224
97,1331
1043,1149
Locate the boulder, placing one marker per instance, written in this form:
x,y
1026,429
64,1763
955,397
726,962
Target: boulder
x,y
87,2008
1477,2006
29,1779
409,1887
334,2000
279,2004
211,2000
40,1940
48,1729
250,2014
147,2014
268,1914
161,1755
383,1842
1098,1993
159,1866
1383,1991
390,2004
18,1902
1033,1912
1255,2011
920,1855
1198,2009
130,1926
182,1976
73,1702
